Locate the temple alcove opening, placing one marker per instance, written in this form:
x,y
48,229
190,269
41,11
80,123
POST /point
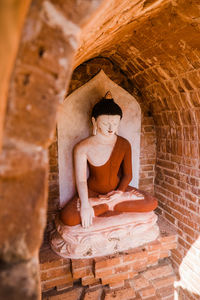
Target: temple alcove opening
x,y
145,137
82,76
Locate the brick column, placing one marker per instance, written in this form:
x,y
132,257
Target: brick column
x,y
42,70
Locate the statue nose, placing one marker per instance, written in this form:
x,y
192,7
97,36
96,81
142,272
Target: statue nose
x,y
110,127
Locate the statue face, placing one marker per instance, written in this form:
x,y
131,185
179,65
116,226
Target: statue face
x,y
107,124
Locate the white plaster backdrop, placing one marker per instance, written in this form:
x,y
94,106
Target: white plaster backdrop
x,y
74,124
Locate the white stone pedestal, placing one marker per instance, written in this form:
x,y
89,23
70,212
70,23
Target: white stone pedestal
x,y
107,235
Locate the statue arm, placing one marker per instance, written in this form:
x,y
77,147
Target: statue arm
x,y
126,169
86,211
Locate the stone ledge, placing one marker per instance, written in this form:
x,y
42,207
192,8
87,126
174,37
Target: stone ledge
x,y
155,283
112,270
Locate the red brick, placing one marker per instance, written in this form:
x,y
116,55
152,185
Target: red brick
x,y
165,291
147,292
169,246
156,272
46,285
83,272
155,245
121,294
138,297
48,259
153,257
122,268
80,263
169,298
68,295
139,282
95,285
56,272
118,277
64,286
93,294
164,281
104,272
51,264
153,298
140,254
108,262
139,265
164,253
118,284
90,280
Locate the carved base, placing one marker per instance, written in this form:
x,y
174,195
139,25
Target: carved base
x,y
106,236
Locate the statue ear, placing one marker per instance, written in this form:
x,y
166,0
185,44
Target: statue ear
x,y
94,126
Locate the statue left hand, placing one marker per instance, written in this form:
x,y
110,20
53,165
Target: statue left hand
x,y
113,195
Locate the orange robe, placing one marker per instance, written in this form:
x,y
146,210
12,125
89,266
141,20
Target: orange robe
x,y
116,173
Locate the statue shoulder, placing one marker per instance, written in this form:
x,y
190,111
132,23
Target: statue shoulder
x,y
124,142
83,146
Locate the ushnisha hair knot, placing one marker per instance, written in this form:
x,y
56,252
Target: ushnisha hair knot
x,y
106,106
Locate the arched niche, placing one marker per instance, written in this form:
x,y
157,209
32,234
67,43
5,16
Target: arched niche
x,y
74,124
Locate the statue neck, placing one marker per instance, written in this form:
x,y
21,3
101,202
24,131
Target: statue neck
x,y
106,139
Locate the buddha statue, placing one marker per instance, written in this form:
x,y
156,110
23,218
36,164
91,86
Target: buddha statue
x,y
106,191
106,215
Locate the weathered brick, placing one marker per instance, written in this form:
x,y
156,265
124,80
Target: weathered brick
x,y
106,262
139,265
165,291
121,294
51,264
56,272
159,271
164,281
93,294
46,285
155,245
80,263
118,277
116,285
139,282
135,255
104,272
90,280
64,286
147,292
153,257
122,268
82,272
71,294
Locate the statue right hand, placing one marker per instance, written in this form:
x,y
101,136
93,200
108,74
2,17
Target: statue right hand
x,y
87,214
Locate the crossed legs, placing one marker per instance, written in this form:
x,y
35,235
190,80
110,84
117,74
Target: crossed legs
x,y
70,214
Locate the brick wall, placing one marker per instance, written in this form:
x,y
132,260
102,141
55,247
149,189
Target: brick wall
x,y
167,75
175,106
32,77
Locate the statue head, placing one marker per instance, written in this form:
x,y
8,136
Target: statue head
x,y
106,106
106,116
